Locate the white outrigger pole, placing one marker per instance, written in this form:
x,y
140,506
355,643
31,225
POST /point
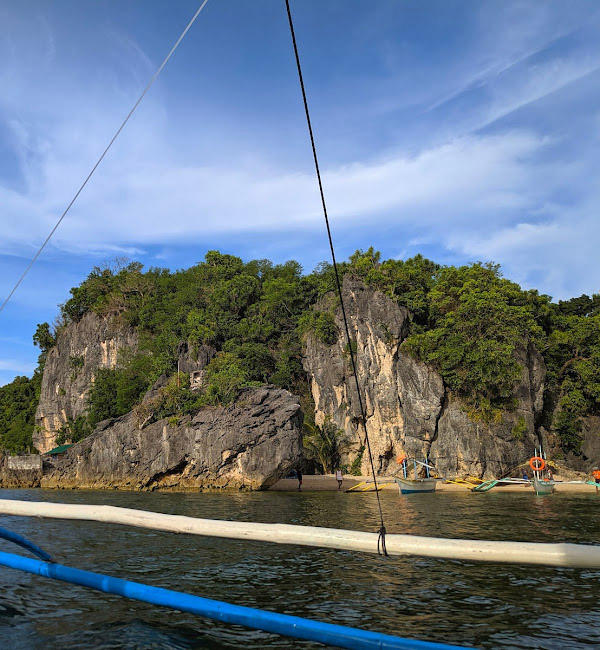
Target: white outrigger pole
x,y
562,554
540,484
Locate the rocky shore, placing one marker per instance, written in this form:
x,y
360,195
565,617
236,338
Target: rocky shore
x,y
250,444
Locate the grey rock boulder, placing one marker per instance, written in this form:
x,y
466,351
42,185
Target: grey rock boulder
x,y
248,445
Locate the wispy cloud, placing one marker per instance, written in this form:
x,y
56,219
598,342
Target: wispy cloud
x,y
472,192
14,340
134,201
16,366
466,132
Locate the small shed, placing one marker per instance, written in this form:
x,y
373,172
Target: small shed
x,y
58,450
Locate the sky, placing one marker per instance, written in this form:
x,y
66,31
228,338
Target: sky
x,y
464,131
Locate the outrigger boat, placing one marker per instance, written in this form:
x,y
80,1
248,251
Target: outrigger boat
x,y
542,484
416,484
486,486
542,481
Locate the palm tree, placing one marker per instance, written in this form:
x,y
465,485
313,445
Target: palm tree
x,y
325,444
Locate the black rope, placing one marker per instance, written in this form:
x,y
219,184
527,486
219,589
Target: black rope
x,y
337,276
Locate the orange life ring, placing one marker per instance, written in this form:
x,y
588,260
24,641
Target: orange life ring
x,y
537,466
401,458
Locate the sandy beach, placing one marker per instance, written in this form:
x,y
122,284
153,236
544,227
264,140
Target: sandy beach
x,y
327,482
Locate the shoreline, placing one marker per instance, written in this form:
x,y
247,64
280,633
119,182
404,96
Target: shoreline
x,y
328,483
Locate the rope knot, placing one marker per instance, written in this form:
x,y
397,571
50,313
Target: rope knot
x,y
381,542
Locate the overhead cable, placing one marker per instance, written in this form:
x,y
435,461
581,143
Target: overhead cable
x,y
116,135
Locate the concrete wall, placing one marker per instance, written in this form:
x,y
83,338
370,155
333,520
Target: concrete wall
x,y
25,463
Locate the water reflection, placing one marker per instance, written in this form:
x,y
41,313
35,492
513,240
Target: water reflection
x,y
456,602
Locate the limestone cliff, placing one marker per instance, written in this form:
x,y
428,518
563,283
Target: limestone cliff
x,y
82,348
408,408
588,455
248,445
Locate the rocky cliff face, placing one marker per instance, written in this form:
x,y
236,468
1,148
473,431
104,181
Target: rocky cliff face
x,y
464,447
589,454
248,445
81,349
408,408
255,441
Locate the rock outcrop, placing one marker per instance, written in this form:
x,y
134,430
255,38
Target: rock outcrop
x,y
589,454
408,408
248,445
466,447
380,326
258,439
82,348
193,361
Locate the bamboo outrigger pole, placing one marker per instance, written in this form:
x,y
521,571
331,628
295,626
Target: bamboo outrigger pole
x,y
564,555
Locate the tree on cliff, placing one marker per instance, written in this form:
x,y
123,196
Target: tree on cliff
x,y
572,356
407,281
19,399
43,338
479,321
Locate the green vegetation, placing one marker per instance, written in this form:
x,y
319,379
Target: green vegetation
x,y
73,431
478,321
225,376
520,428
324,444
355,468
44,340
18,401
75,364
321,324
470,323
116,391
572,354
173,400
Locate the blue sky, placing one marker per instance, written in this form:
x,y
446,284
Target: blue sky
x,y
457,129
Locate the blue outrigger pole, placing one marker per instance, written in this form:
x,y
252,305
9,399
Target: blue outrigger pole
x,y
292,626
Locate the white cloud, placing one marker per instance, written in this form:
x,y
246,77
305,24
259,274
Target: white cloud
x,y
466,195
535,83
556,257
479,195
147,196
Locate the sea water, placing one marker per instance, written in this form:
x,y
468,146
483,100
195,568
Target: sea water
x,y
482,605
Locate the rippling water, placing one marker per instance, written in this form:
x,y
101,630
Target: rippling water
x,y
488,606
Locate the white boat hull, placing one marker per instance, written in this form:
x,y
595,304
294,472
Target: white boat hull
x,y
412,486
543,487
